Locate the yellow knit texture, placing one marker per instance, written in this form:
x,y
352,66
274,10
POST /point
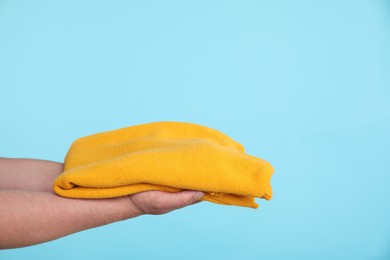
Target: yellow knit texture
x,y
166,156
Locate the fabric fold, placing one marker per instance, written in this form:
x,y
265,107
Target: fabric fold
x,y
167,156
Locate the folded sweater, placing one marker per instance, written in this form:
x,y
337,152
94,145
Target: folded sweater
x,y
166,156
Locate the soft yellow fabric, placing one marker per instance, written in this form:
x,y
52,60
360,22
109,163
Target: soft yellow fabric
x,y
167,156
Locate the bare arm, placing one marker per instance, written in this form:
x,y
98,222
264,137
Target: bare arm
x,y
28,174
29,218
30,213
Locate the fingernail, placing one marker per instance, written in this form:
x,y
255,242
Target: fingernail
x,y
198,195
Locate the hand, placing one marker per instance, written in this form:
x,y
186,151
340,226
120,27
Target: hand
x,y
161,202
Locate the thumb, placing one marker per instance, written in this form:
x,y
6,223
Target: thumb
x,y
181,199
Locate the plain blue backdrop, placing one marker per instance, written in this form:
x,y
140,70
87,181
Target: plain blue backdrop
x,y
302,84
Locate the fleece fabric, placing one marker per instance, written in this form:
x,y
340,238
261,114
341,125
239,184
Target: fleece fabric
x,y
167,156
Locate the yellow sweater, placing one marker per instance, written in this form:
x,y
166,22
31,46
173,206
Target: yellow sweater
x,y
165,156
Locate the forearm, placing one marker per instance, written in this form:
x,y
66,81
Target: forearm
x,y
28,174
28,218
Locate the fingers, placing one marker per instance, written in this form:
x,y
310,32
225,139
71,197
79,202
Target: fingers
x,y
195,202
161,202
176,200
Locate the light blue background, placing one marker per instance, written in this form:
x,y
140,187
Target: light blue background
x,y
302,84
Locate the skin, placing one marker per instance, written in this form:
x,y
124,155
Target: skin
x,y
31,213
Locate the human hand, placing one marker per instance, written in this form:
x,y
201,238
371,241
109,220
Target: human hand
x,y
160,202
